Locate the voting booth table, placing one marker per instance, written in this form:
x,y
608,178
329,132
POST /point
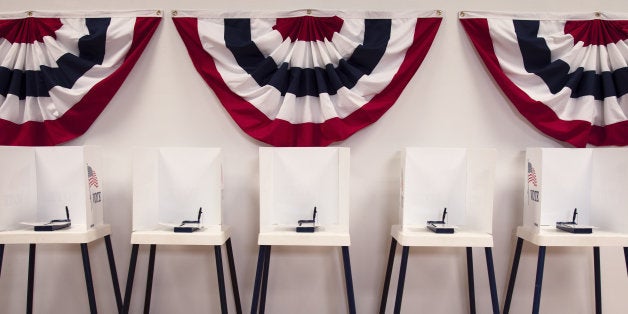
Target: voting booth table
x,y
446,201
52,195
304,201
177,201
572,198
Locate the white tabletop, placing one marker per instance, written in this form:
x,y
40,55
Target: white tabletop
x,y
208,236
421,236
74,234
323,236
550,236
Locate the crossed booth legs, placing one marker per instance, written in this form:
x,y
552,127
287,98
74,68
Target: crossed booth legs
x,y
151,268
402,276
539,277
86,268
88,277
261,280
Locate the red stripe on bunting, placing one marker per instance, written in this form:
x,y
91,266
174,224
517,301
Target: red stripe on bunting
x,y
308,28
577,132
29,30
81,116
282,133
597,32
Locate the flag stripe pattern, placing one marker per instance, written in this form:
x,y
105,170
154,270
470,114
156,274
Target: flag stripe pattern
x,y
532,174
57,74
295,79
567,75
92,178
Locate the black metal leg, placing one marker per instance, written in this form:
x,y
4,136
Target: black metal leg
x,y
513,275
234,278
130,276
114,273
1,256
88,279
391,259
539,281
491,279
149,278
598,283
626,257
258,278
471,281
31,278
262,302
402,278
348,279
221,279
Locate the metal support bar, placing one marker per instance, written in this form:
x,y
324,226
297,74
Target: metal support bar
x,y
471,281
88,279
262,303
221,279
536,304
348,279
149,278
402,278
114,274
258,279
391,259
1,257
491,279
598,281
31,278
129,281
234,278
626,257
513,275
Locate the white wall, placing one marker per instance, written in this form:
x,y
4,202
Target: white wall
x,y
450,102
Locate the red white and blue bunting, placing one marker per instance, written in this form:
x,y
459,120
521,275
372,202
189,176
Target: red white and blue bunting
x,y
59,71
566,74
306,78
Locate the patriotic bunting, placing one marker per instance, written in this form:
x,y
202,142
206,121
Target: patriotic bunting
x,y
306,78
568,75
59,71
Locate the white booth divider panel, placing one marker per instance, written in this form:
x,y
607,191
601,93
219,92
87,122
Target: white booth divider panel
x,y
564,182
609,198
296,179
189,178
18,186
62,180
171,183
434,178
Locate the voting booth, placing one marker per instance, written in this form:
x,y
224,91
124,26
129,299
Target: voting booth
x,y
38,183
582,183
295,180
458,179
572,197
446,201
302,185
177,196
174,184
54,195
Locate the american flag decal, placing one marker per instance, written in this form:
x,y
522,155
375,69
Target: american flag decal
x,y
531,174
92,178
